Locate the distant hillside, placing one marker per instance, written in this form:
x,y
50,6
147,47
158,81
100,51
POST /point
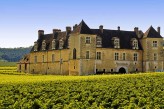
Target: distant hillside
x,y
13,54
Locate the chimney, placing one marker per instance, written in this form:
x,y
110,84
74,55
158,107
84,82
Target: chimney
x,y
68,30
158,29
140,34
74,26
40,33
118,28
136,30
101,28
56,31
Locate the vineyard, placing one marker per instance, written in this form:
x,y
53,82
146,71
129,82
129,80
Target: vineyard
x,y
82,92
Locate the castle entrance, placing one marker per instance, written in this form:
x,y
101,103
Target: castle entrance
x,y
122,70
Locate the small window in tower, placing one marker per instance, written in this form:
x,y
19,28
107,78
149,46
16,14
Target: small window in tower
x,y
88,40
155,43
135,57
87,55
44,45
35,46
155,56
74,53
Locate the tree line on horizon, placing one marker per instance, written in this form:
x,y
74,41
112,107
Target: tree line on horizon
x,y
13,54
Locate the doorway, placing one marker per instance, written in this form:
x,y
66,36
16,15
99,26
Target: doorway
x,y
122,70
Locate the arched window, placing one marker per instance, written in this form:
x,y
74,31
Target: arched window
x,y
61,44
35,46
74,53
116,42
53,44
134,43
98,41
44,45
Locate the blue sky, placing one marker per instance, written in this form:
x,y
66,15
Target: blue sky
x,y
21,19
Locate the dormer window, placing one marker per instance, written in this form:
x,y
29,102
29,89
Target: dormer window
x,y
35,46
53,44
116,42
44,45
61,44
134,43
98,41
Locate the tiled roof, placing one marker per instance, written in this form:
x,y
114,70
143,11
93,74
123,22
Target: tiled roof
x,y
49,37
124,36
152,33
107,35
82,28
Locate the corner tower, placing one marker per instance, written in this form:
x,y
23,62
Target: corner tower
x,y
82,44
152,50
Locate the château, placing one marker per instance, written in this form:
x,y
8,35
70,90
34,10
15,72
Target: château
x,y
84,51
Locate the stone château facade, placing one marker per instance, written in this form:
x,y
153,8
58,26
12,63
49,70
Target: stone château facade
x,y
84,51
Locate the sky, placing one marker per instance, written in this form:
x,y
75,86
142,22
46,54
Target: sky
x,y
20,20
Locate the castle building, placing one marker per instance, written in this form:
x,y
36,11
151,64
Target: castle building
x,y
84,51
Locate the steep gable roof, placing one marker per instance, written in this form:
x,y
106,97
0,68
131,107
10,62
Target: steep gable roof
x,y
82,28
152,33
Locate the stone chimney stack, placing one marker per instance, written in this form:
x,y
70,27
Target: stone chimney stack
x,y
68,30
40,33
136,30
118,28
101,28
158,30
56,31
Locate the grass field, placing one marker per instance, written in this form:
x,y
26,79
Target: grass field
x,y
7,64
82,92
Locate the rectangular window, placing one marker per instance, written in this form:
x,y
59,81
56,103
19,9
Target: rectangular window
x,y
116,57
35,59
135,57
43,58
154,43
98,42
123,56
87,54
155,56
88,40
53,58
98,55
